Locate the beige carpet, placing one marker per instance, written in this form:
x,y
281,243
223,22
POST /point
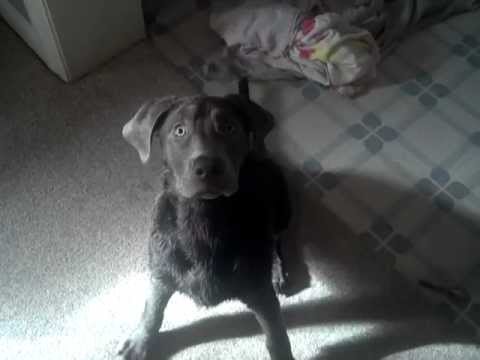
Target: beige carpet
x,y
74,210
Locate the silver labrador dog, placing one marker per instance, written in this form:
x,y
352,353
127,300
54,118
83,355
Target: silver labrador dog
x,y
216,218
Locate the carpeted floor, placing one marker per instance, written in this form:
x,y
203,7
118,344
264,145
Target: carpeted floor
x,y
74,212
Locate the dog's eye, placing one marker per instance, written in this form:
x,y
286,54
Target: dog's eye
x,y
180,130
226,128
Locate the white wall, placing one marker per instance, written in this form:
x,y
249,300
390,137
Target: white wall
x,y
92,31
71,36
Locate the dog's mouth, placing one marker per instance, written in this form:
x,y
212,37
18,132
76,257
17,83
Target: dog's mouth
x,y
206,191
212,193
209,188
209,196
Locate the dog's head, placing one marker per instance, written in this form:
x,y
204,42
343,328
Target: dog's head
x,y
203,140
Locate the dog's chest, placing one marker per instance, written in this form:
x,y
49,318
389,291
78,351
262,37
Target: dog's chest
x,y
219,250
216,236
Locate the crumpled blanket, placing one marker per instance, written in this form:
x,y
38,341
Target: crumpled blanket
x,y
329,50
268,40
390,21
337,43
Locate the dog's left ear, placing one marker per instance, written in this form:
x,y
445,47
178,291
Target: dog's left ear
x,y
258,122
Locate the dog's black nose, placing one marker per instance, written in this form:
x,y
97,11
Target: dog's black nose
x,y
206,166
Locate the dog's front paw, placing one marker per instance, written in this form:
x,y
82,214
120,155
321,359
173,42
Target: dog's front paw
x,y
137,347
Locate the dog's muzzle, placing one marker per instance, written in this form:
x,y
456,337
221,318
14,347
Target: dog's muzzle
x,y
209,177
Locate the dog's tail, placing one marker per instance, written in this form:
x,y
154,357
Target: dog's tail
x,y
243,88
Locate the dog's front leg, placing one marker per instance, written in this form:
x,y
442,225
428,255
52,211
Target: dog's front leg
x,y
140,343
266,308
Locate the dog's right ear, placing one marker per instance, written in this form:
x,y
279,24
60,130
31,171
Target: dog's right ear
x,y
138,131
